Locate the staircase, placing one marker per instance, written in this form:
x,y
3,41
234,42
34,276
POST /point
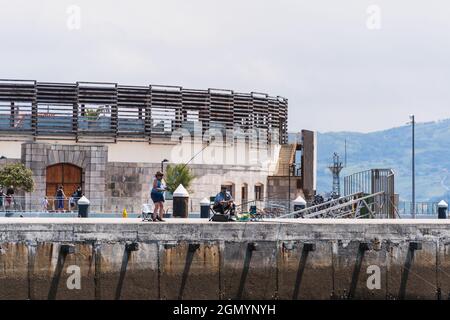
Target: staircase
x,y
286,157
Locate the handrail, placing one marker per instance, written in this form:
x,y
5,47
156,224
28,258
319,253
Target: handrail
x,y
345,204
320,205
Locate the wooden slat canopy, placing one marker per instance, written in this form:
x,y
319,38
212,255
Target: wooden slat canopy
x,y
111,111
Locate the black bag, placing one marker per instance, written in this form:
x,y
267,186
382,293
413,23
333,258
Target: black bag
x,y
220,218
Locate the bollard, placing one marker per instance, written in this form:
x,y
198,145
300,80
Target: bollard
x,y
83,207
204,208
180,202
442,210
299,203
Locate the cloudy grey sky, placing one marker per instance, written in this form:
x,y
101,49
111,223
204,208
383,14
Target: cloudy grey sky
x,y
337,73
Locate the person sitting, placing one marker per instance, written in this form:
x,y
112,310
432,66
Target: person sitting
x,y
224,202
73,201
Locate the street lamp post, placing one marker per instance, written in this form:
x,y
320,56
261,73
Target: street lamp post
x,y
413,123
291,172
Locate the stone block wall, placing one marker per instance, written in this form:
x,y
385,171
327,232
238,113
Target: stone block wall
x,y
129,184
278,188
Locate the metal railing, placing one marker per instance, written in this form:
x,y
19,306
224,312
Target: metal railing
x,y
109,205
269,208
422,208
272,208
357,205
374,181
292,169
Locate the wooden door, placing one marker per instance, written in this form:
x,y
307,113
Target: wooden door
x,y
65,174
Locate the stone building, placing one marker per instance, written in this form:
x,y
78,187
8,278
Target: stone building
x,y
111,139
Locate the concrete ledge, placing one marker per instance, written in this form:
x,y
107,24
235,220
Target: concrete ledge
x,y
116,229
197,259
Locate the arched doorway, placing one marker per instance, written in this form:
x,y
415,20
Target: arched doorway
x,y
65,174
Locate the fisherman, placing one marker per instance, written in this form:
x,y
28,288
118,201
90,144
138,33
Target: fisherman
x,y
223,202
157,195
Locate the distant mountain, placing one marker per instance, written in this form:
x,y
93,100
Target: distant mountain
x,y
392,149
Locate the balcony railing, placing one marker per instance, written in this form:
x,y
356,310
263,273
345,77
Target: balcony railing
x,y
111,110
405,208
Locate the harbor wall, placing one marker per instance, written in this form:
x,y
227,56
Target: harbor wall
x,y
194,259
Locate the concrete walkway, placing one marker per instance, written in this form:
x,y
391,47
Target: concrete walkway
x,y
28,220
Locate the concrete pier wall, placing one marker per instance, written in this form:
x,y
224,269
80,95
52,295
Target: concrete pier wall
x,y
194,259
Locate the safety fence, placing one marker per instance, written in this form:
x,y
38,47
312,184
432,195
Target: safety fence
x,y
269,208
374,181
108,205
406,208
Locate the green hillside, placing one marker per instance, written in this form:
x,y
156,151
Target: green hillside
x,y
392,149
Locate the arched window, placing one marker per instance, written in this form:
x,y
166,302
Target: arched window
x,y
259,191
244,196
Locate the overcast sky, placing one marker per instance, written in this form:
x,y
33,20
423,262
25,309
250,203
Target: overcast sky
x,y
337,73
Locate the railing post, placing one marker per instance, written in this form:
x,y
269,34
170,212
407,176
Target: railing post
x,y
81,111
148,114
34,113
115,115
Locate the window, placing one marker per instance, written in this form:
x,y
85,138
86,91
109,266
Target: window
x,y
259,192
192,115
163,119
229,188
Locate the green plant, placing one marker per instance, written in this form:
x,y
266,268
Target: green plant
x,y
18,176
176,175
92,114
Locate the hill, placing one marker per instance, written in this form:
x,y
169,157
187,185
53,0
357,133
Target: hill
x,y
392,149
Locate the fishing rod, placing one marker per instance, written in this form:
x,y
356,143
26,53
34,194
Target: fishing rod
x,y
195,155
207,145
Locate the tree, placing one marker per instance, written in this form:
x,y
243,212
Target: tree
x,y
176,175
18,176
92,114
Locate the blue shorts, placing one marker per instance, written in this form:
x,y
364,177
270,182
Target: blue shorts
x,y
157,197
